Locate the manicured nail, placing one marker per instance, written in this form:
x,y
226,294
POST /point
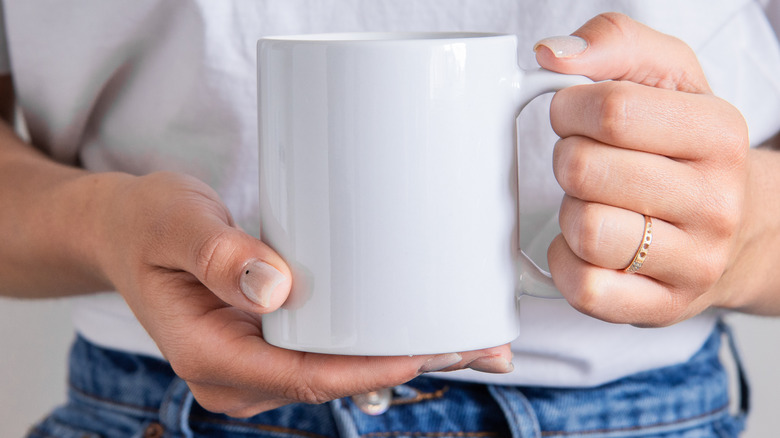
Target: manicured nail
x,y
492,364
440,362
259,280
563,46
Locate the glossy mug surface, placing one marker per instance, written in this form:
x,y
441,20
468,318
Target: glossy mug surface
x,y
388,183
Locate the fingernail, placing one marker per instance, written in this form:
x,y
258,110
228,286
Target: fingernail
x,y
259,280
440,362
563,46
491,364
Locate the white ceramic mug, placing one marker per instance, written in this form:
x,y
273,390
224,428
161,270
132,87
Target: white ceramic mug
x,y
388,183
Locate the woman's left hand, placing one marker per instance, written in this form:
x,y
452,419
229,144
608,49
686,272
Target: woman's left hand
x,y
652,141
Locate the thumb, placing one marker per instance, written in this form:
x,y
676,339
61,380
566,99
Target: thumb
x,y
613,46
238,268
242,271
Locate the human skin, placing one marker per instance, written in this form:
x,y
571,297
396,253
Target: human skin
x,y
168,245
655,141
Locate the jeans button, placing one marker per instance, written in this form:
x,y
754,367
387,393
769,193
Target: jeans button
x,y
154,430
374,402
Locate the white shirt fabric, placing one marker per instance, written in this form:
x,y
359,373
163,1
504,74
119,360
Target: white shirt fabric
x,y
155,85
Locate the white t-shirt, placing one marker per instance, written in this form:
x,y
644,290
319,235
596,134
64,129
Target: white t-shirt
x,y
155,85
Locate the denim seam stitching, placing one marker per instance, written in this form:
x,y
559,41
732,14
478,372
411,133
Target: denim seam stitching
x,y
142,410
431,434
703,416
260,427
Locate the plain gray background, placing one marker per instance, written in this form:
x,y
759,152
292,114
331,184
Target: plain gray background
x,y
36,335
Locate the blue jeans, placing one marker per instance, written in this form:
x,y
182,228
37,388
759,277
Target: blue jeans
x,y
114,394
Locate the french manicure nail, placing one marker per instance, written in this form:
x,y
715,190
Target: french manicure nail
x,y
563,46
259,280
440,362
491,364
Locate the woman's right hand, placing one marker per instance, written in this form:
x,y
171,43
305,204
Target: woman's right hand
x,y
200,285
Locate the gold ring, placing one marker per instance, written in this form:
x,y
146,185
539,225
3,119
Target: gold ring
x,y
641,252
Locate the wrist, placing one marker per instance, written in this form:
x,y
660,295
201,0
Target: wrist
x,y
106,226
76,229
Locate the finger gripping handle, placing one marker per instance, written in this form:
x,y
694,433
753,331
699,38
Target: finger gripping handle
x,y
533,280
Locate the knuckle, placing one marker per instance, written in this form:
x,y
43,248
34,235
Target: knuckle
x,y
299,383
188,370
614,112
719,214
709,267
726,223
712,272
622,24
574,170
589,230
587,297
732,135
306,393
213,253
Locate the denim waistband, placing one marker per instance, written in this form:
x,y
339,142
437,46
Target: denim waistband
x,y
118,394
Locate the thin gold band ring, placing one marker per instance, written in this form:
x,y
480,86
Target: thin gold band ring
x,y
641,252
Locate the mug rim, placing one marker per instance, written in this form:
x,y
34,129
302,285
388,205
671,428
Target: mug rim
x,y
378,37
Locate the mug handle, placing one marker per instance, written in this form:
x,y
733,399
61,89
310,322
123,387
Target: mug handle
x,y
532,279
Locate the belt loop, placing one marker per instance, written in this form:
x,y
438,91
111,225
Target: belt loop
x,y
175,409
744,386
344,419
520,415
